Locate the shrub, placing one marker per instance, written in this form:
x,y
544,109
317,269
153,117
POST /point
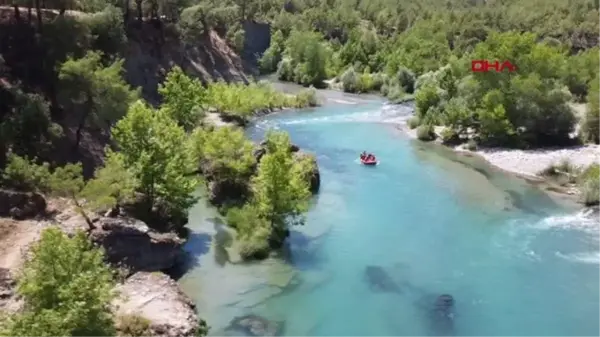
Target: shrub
x,y
450,137
307,97
67,289
24,174
413,122
589,185
253,231
589,192
350,81
406,79
426,132
564,172
133,325
591,172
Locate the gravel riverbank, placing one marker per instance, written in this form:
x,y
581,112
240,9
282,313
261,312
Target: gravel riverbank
x,y
528,162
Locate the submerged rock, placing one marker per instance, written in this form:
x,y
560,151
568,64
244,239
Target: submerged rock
x,y
157,298
442,315
21,205
379,280
130,242
254,325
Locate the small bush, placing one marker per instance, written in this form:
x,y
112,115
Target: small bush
x,y
591,172
406,79
350,81
590,192
253,232
24,174
426,132
564,172
450,137
413,122
307,97
133,325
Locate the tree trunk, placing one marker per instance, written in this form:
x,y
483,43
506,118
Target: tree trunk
x,y
126,12
38,11
87,110
138,4
17,13
81,211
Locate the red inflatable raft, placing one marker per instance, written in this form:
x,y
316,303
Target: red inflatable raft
x,y
368,162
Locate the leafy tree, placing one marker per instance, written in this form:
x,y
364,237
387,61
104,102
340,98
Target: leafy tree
x,y
183,98
66,287
157,151
229,153
113,184
272,56
307,56
280,190
98,94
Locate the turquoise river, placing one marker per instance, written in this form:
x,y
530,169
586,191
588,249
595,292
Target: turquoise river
x,y
516,261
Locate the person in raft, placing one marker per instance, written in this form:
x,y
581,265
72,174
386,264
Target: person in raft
x,y
363,155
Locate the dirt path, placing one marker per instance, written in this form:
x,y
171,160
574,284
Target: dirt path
x,y
15,239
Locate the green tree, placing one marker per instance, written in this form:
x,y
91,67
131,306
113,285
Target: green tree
x,y
280,188
112,185
157,151
183,98
66,287
228,153
97,94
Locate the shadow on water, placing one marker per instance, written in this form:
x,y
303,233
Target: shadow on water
x,y
301,250
197,245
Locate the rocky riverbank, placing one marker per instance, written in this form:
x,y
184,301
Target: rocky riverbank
x,y
128,243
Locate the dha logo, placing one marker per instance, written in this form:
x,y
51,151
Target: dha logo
x,y
484,66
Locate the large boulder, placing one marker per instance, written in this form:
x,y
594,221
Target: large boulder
x,y
21,205
157,298
133,244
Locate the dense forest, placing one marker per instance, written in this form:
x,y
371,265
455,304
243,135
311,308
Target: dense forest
x,y
74,124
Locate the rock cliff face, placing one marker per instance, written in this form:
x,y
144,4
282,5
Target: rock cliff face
x,y
152,49
21,205
157,298
131,243
257,38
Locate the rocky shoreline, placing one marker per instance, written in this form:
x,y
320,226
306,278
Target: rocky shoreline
x,y
129,244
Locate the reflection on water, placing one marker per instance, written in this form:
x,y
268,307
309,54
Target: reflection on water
x,y
382,246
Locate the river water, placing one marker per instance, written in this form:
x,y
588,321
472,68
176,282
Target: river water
x,y
516,261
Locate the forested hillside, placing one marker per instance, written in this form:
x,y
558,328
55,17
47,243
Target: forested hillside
x,y
103,102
